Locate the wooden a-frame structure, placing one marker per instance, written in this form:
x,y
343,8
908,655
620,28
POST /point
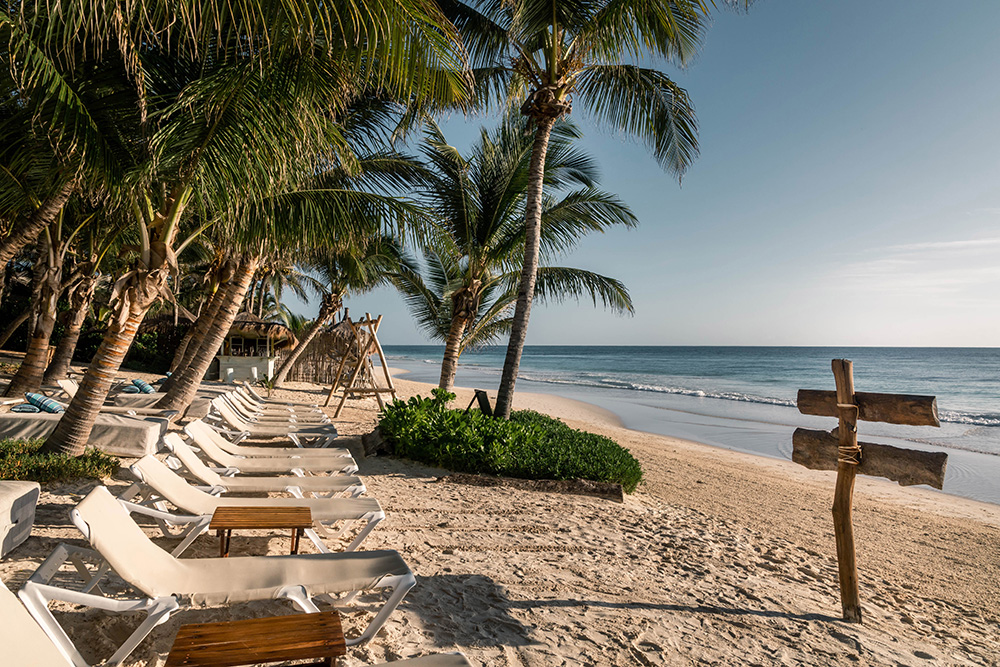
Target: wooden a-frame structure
x,y
366,341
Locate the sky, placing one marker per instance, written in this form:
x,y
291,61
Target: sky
x,y
847,191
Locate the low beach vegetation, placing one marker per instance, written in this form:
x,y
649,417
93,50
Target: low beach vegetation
x,y
529,445
22,460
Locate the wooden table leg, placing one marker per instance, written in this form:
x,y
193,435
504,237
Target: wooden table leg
x,y
224,537
296,533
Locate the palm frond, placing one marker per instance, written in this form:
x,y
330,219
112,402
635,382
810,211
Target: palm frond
x,y
645,104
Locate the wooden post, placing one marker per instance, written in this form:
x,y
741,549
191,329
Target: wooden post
x,y
849,457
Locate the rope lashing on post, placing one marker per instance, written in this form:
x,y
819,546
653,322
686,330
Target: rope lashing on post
x,y
850,455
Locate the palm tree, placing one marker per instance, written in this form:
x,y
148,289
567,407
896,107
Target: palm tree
x,y
340,272
101,238
277,275
191,107
543,55
477,238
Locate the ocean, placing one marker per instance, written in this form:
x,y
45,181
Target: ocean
x,y
743,398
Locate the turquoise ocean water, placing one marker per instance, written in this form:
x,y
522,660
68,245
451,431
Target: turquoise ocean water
x,y
743,397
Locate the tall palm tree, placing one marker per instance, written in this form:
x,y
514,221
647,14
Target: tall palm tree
x,y
541,56
203,106
476,243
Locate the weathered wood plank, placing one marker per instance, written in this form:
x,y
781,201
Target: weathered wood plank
x,y
906,409
817,450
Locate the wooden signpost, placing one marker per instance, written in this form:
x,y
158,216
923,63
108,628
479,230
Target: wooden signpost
x,y
840,450
366,339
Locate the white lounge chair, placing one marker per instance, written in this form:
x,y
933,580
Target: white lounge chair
x,y
344,464
250,410
206,431
25,644
319,486
317,435
166,582
157,482
250,393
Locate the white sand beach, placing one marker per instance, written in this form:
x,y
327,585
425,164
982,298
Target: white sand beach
x,y
718,558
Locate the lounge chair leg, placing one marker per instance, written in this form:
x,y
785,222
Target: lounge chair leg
x,y
159,612
317,540
374,519
191,534
400,585
299,597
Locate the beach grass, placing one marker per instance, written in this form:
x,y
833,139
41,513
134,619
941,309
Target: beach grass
x,y
21,460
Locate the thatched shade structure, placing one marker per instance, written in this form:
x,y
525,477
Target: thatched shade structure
x,y
249,351
248,325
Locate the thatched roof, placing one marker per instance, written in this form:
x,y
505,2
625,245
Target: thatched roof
x,y
250,323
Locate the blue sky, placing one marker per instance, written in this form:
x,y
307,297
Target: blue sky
x,y
847,192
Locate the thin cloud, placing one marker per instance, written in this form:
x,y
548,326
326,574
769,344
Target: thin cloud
x,y
961,268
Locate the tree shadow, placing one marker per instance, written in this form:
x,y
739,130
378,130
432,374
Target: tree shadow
x,y
473,610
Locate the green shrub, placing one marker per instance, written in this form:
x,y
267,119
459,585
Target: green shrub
x,y
530,445
20,459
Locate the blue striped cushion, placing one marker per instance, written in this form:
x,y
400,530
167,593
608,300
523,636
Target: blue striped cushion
x,y
144,386
25,407
45,403
130,390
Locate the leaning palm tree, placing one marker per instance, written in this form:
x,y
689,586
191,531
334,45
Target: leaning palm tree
x,y
543,55
474,248
198,110
359,268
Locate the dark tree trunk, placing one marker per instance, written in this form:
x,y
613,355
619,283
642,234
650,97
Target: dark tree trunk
x,y
36,358
188,378
73,431
529,272
194,337
79,300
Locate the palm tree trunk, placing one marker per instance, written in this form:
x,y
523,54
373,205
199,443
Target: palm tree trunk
x,y
36,358
286,365
73,431
260,299
15,325
195,336
184,388
529,272
452,350
27,231
79,301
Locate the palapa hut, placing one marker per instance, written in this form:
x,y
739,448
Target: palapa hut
x,y
250,349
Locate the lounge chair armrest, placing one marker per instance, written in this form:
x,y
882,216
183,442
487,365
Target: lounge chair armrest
x,y
160,514
121,606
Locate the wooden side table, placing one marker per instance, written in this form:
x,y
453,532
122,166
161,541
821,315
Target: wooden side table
x,y
227,519
260,640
